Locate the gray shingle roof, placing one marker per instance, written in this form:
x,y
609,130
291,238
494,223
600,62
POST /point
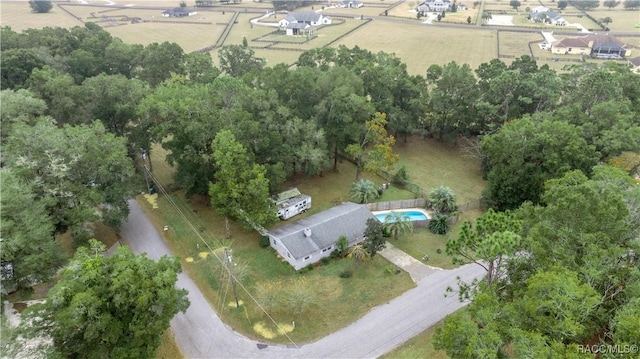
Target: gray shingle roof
x,y
347,219
303,16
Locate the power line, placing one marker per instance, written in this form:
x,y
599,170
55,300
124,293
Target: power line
x,y
231,275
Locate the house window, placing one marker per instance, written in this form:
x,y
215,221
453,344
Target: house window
x,y
275,242
327,249
570,49
306,258
288,254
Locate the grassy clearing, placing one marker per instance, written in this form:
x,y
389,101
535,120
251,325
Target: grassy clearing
x,y
19,17
420,45
431,164
422,242
516,43
623,20
420,346
189,37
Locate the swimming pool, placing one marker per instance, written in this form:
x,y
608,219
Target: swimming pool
x,y
413,214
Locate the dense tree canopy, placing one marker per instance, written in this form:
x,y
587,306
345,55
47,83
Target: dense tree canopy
x,y
572,280
26,246
240,189
526,152
81,172
115,306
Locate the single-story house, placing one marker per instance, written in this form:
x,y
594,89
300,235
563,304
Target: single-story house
x,y
179,12
297,22
351,4
548,17
434,6
598,46
310,239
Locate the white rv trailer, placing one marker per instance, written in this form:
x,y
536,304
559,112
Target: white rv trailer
x,y
291,203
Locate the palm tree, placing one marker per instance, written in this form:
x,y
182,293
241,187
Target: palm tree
x,y
363,191
398,223
358,253
439,224
443,199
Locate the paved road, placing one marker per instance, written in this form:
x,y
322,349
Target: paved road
x,y
201,334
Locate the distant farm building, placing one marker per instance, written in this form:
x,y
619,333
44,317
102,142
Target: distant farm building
x,y
300,23
596,46
179,12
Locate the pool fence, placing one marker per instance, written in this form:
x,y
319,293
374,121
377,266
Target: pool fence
x,y
391,205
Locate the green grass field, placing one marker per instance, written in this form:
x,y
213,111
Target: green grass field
x,y
420,45
193,36
418,347
18,16
516,43
623,20
431,164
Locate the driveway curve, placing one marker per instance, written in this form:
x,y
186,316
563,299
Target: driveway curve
x,y
201,334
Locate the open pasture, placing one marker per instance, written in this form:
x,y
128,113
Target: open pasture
x,y
189,37
18,16
516,43
622,20
420,45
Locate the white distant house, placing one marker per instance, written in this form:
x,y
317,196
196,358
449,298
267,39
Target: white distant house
x,y
356,4
310,239
297,23
548,17
538,9
434,6
179,12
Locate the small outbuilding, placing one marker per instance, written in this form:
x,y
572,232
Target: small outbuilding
x,y
310,239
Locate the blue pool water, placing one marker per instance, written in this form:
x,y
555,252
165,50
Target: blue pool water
x,y
413,215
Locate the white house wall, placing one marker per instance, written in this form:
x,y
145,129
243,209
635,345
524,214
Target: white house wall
x,y
298,264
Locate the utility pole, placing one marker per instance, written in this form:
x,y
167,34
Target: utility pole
x,y
227,253
144,169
